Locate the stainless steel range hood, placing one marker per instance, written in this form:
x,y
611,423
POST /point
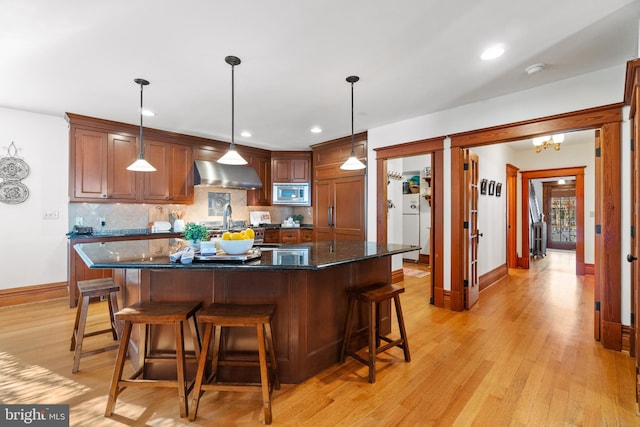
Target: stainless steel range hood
x,y
226,176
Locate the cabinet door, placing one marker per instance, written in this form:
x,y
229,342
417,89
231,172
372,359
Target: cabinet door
x,y
262,196
281,170
349,208
156,184
90,165
272,236
323,210
306,235
121,152
289,236
300,170
181,174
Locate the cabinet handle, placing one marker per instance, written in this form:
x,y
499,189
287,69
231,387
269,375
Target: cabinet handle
x,y
330,216
103,195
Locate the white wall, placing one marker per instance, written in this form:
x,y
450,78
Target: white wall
x,y
589,90
492,210
34,250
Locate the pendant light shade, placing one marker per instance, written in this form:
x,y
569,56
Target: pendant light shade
x,y
352,163
232,157
141,165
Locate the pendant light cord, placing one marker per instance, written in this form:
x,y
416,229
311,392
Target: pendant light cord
x,y
353,153
233,113
141,88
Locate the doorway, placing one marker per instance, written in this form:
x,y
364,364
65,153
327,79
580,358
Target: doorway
x,y
559,207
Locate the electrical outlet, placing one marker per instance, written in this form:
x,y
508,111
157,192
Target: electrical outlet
x,y
51,215
103,222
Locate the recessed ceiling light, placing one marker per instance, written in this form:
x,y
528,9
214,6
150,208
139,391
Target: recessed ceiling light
x,y
148,113
245,133
316,129
492,52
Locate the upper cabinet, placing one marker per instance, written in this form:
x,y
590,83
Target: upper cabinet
x,y
173,180
260,160
290,166
98,162
101,150
329,156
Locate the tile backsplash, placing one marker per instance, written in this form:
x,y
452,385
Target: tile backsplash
x,y
136,215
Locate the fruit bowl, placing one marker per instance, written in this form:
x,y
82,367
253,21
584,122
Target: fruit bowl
x,y
235,247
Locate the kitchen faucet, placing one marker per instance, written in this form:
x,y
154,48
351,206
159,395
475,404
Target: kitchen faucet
x,y
226,217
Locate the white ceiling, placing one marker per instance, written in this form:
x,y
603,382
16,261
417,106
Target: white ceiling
x,y
413,57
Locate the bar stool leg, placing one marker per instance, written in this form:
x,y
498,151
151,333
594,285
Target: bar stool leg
x,y
373,339
264,377
202,362
113,309
78,334
181,367
114,389
403,332
272,354
348,327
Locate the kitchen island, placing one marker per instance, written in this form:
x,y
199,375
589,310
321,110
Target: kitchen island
x,y
307,282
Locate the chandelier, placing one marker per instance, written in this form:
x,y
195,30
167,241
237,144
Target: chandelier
x,y
554,141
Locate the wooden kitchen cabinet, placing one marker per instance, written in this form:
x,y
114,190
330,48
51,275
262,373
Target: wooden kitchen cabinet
x,y
306,235
291,166
173,180
262,165
339,206
272,235
288,235
338,195
98,166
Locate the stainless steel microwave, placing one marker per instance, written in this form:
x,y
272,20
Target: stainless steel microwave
x,y
291,194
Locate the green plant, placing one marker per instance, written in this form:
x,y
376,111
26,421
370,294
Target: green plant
x,y
193,231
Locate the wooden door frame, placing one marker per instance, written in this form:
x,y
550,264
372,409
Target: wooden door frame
x,y
607,119
578,173
435,147
512,215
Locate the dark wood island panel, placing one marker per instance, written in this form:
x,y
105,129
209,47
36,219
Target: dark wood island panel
x,y
309,321
309,290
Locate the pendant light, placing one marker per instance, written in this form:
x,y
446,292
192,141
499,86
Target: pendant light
x,y
232,157
352,162
141,165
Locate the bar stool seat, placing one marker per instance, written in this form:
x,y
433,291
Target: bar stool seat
x,y
373,295
215,317
87,289
147,314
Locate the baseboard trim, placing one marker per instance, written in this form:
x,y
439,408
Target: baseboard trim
x,y
491,277
26,294
628,333
397,276
590,269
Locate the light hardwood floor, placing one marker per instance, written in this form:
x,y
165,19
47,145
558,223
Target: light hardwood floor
x,y
524,355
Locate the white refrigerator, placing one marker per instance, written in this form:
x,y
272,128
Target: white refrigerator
x,y
411,224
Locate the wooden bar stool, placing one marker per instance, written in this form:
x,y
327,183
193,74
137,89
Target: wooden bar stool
x,y
373,295
237,315
88,289
147,314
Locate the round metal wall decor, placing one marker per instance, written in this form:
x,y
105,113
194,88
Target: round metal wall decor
x,y
13,192
13,169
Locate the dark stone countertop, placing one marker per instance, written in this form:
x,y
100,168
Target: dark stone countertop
x,y
125,232
154,254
